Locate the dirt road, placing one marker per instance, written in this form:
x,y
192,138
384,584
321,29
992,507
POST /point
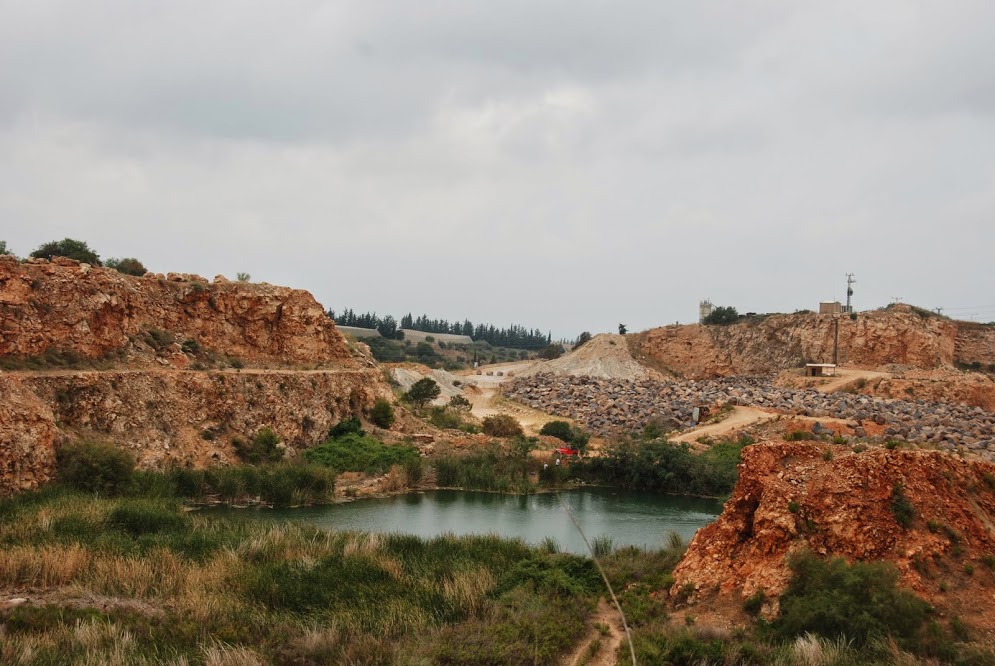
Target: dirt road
x,y
740,418
843,378
487,401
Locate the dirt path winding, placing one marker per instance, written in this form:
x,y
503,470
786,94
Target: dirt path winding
x,y
740,418
600,646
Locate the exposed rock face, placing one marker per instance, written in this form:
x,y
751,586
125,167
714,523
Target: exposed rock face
x,y
27,437
770,344
94,312
788,497
169,417
975,344
144,325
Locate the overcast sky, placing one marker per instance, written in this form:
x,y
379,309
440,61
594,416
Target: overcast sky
x,y
567,165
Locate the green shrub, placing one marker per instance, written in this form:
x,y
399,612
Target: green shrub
x,y
860,601
68,247
95,467
502,425
296,484
901,507
128,266
722,316
422,391
360,453
190,346
559,429
755,602
799,436
459,403
382,413
663,467
349,426
263,448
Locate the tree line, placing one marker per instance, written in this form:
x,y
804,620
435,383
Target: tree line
x,y
514,336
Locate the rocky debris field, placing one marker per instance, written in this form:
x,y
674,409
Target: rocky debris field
x,y
608,406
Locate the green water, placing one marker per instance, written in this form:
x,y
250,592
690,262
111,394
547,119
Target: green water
x,y
629,518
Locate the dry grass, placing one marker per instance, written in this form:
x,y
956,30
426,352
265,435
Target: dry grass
x,y
45,566
469,589
228,655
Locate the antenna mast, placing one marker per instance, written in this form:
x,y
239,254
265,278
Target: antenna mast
x,y
849,290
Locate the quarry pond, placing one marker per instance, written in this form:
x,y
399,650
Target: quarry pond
x,y
628,518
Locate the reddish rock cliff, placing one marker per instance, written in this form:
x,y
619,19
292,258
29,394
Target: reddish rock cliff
x,y
898,335
147,329
790,497
96,312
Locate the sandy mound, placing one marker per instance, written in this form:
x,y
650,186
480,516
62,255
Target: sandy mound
x,y
606,356
449,384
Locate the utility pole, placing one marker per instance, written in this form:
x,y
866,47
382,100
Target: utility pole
x,y
849,291
836,342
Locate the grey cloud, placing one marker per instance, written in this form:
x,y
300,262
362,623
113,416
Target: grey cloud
x,y
565,165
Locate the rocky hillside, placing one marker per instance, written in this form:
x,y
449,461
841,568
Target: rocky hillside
x,y
900,334
156,339
78,311
793,495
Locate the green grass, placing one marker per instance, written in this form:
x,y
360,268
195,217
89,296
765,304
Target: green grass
x,y
274,594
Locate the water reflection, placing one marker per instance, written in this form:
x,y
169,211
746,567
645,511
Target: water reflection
x,y
628,518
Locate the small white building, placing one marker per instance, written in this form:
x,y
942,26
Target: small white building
x,y
820,369
705,308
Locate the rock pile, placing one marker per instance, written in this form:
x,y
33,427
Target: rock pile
x,y
610,405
